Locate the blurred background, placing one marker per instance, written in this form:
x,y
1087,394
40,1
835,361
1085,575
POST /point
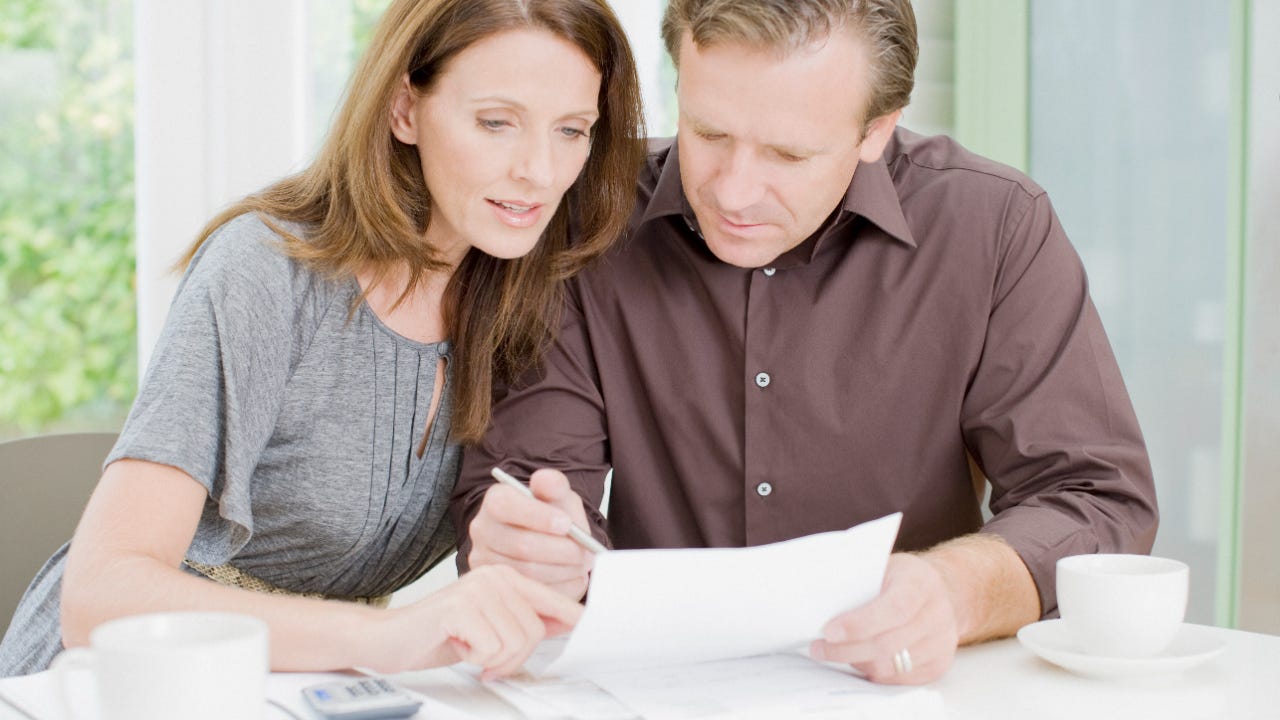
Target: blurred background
x,y
125,124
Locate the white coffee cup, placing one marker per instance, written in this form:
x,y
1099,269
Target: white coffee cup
x,y
1127,606
190,665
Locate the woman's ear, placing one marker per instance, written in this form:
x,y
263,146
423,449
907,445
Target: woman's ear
x,y
403,121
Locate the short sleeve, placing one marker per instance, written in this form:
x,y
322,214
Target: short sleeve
x,y
215,383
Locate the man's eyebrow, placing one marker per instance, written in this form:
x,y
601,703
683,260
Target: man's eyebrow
x,y
702,127
797,151
699,125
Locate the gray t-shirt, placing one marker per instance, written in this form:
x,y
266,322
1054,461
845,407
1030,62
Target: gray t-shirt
x,y
303,424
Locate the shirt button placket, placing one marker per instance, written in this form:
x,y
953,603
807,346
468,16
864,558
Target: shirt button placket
x,y
762,509
763,379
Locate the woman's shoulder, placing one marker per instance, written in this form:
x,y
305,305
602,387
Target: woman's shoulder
x,y
250,242
253,248
246,261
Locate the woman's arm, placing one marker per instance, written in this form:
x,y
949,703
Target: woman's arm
x,y
126,559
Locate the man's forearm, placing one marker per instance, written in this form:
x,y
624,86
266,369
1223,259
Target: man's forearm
x,y
991,589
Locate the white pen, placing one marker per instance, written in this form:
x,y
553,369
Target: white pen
x,y
580,536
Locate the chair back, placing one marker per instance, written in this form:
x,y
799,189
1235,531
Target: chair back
x,y
45,482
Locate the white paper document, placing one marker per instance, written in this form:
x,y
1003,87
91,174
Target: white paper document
x,y
651,608
779,685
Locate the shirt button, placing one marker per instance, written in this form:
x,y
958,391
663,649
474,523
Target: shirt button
x,y
764,489
768,272
763,379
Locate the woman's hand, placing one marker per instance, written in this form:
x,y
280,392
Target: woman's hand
x,y
493,617
126,557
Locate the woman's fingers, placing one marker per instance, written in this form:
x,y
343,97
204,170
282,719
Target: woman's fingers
x,y
500,616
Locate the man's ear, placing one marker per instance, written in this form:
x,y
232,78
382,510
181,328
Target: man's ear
x,y
403,122
878,134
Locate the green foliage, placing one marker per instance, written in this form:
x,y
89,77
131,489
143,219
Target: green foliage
x,y
25,24
68,324
67,314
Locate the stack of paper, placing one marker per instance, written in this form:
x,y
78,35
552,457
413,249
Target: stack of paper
x,y
778,685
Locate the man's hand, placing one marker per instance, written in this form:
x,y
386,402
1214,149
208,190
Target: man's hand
x,y
966,590
532,535
912,619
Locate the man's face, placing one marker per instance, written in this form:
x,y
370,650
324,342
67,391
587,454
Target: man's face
x,y
768,144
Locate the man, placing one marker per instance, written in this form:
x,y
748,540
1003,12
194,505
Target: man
x,y
816,319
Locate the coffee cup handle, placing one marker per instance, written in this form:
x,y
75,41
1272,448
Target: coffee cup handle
x,y
71,659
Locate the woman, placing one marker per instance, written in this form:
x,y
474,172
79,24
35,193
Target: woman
x,y
335,340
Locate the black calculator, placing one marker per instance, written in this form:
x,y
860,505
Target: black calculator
x,y
365,698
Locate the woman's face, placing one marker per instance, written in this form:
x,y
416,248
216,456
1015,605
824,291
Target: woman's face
x,y
502,135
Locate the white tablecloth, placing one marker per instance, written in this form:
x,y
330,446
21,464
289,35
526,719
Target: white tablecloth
x,y
1004,680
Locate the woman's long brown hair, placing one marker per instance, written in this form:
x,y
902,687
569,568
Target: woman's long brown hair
x,y
366,206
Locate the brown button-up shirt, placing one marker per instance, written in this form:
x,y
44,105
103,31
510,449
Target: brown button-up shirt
x,y
940,312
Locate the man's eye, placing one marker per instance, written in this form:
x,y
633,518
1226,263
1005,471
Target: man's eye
x,y
706,135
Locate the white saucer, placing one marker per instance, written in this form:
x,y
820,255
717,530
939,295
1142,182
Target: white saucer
x,y
1049,640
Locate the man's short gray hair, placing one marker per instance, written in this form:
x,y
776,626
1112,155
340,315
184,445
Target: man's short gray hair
x,y
888,27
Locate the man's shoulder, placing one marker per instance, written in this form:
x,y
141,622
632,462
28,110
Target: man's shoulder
x,y
649,208
659,149
660,145
915,159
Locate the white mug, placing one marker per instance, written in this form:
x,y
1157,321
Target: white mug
x,y
190,665
1128,606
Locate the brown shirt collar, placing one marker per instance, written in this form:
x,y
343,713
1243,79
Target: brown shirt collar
x,y
871,194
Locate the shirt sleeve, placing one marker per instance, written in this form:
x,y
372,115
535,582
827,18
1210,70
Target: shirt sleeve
x,y
554,417
1047,416
212,391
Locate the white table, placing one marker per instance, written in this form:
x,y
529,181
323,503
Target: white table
x,y
1003,680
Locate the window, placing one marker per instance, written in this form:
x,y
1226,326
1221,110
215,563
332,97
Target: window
x,y
67,318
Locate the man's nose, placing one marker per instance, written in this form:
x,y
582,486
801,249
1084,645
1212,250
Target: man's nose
x,y
739,183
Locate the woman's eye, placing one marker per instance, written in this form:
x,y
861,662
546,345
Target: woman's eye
x,y
493,124
572,133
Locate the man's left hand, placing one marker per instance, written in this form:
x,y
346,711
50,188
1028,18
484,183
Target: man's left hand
x,y
907,635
